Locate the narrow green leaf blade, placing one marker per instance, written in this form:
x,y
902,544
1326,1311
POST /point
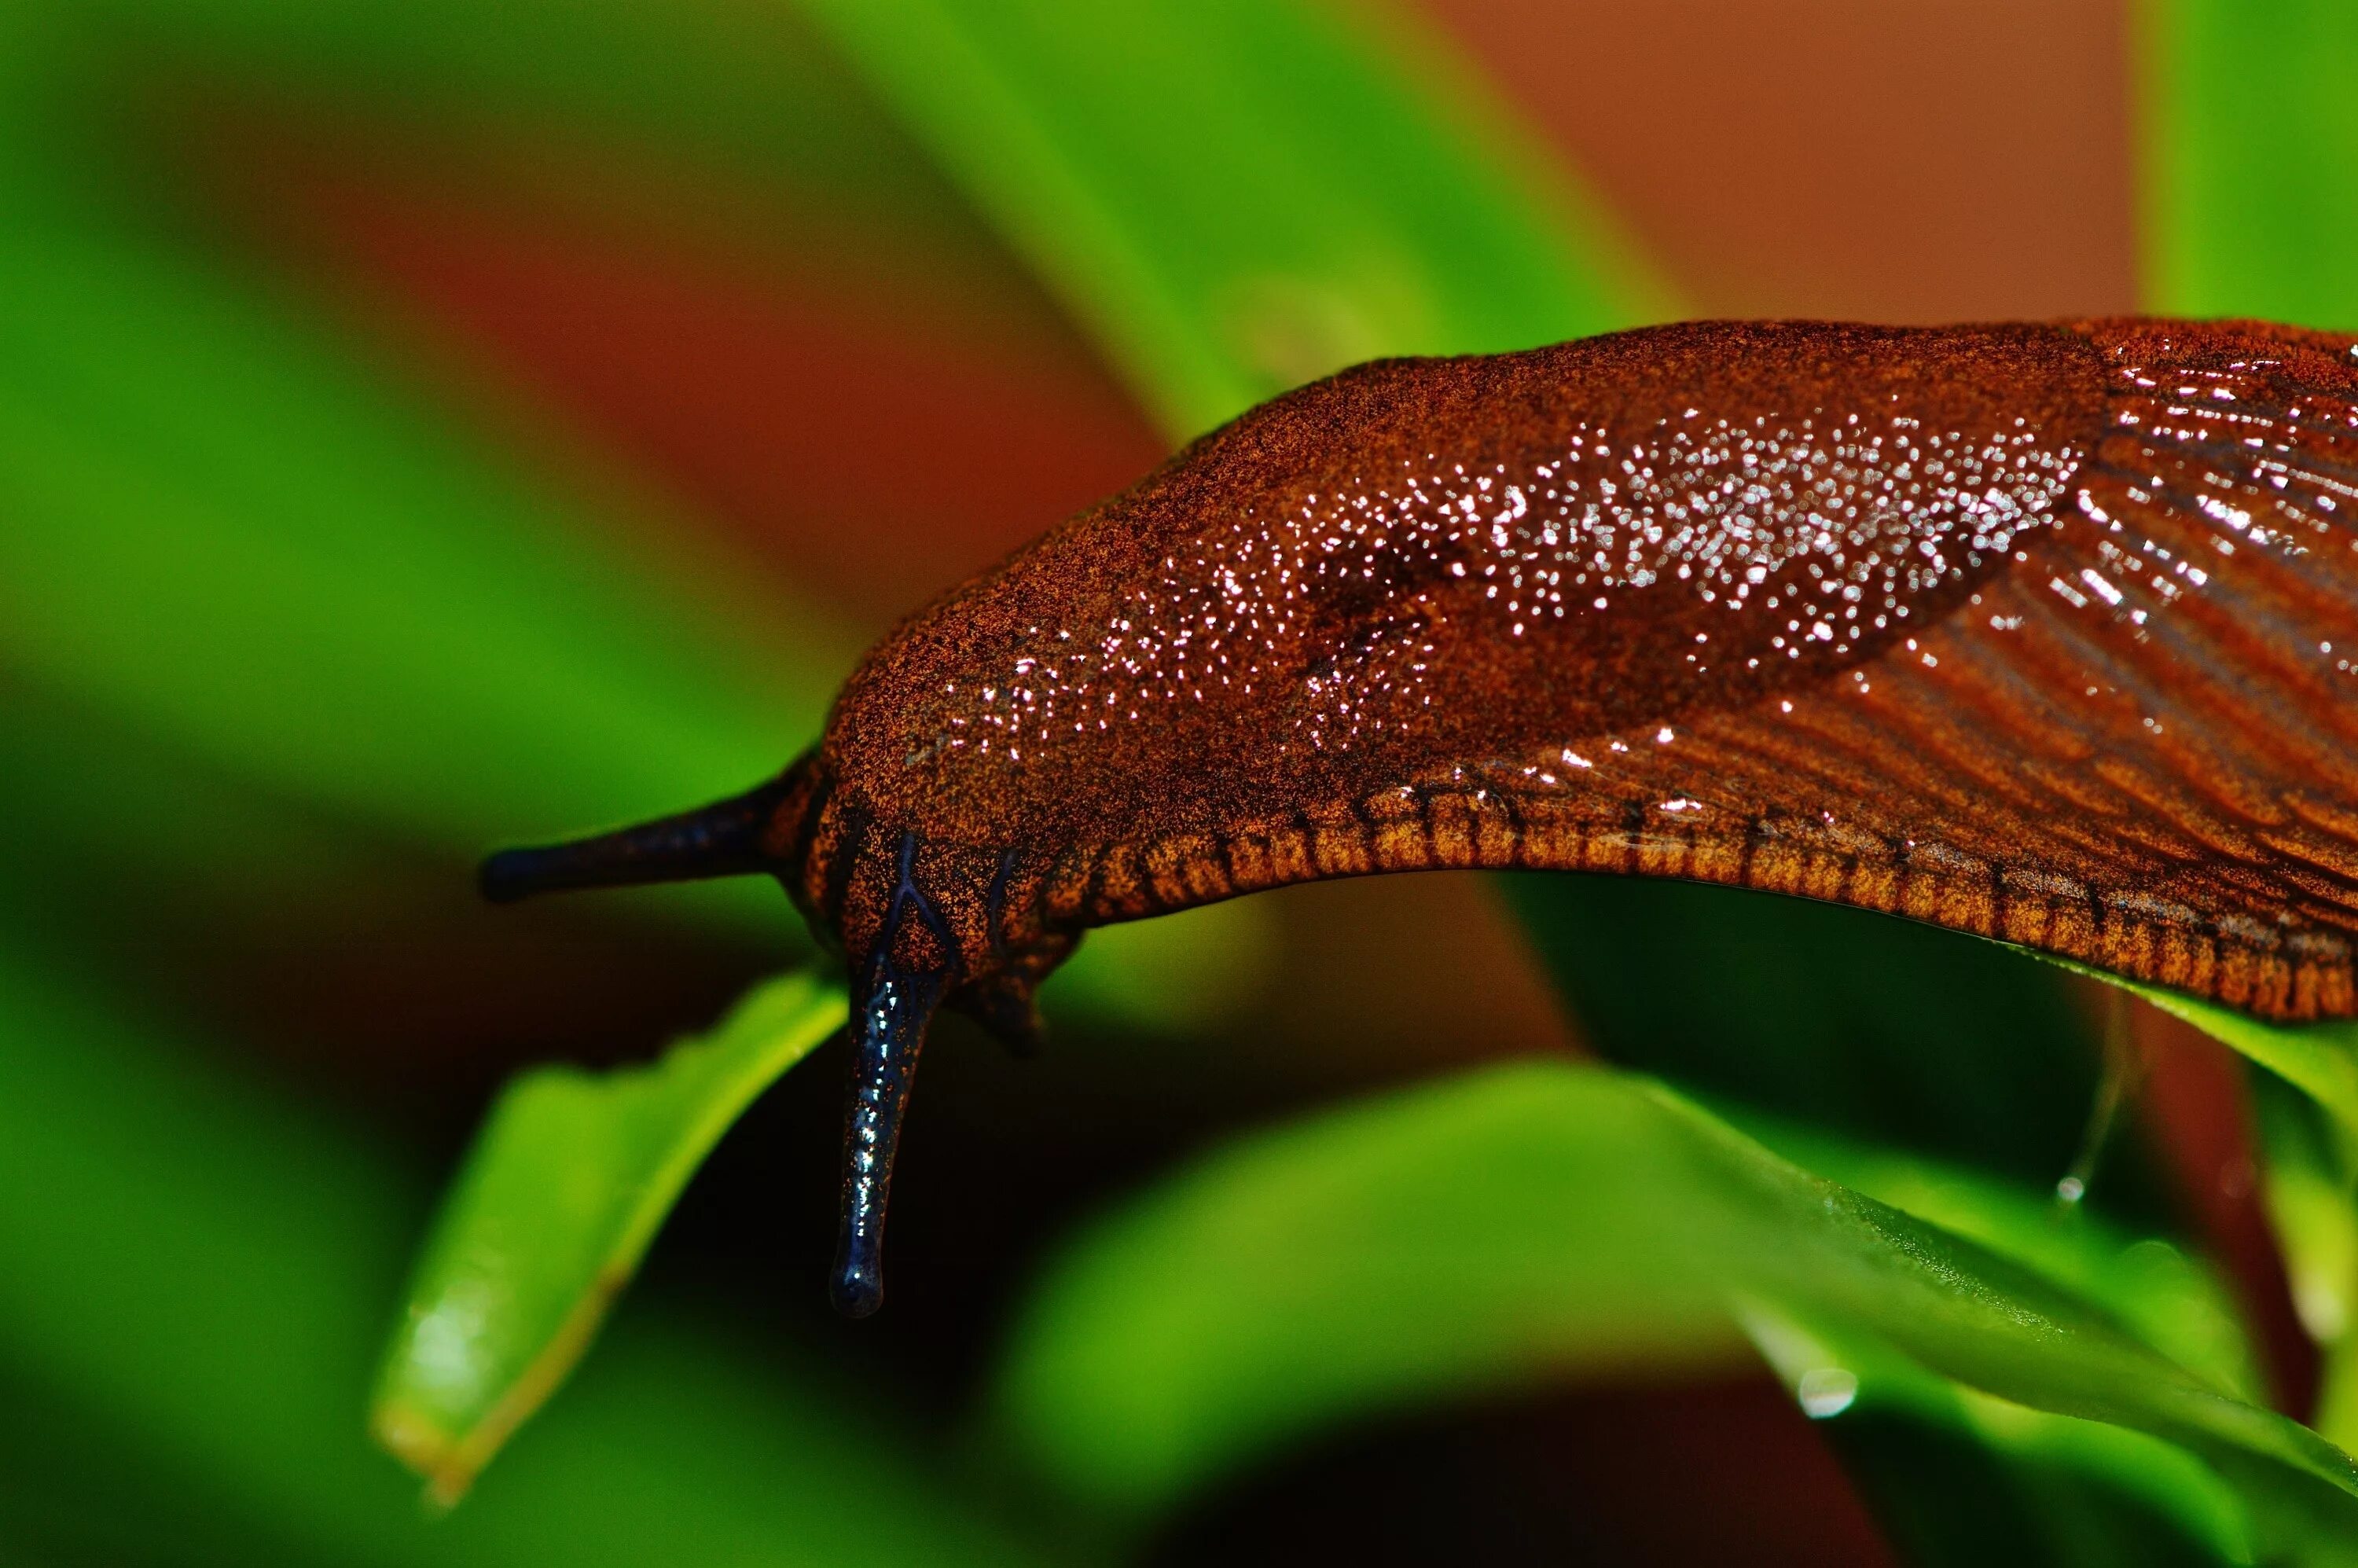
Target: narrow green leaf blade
x,y
1337,1265
566,1185
2156,1291
223,529
2320,1059
1545,1216
1240,196
1957,1476
2250,171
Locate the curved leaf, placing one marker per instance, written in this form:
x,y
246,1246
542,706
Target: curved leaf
x,y
196,1279
1545,1215
2320,1059
2024,1485
567,1183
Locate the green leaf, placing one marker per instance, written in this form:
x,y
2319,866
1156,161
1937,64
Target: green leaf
x,y
2160,1294
197,1274
2250,166
568,1181
1958,1476
1883,1029
1239,196
2310,1184
223,529
1374,1256
1541,1217
2321,1059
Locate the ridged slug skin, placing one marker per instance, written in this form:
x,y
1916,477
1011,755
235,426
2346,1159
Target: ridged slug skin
x,y
2044,632
2039,633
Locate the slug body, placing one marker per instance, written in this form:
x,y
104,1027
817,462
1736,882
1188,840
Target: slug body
x,y
2044,632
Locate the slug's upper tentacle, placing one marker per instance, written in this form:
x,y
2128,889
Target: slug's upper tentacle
x,y
728,838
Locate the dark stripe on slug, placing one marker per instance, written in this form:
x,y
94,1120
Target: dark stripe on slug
x,y
1225,846
1633,831
1066,893
852,824
1756,830
910,897
1093,880
798,850
994,904
1517,831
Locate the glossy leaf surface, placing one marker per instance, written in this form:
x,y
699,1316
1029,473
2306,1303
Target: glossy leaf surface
x,y
566,1185
1510,1222
1963,1478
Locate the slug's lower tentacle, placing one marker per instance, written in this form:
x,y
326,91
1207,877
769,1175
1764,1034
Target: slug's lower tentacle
x,y
889,1031
897,991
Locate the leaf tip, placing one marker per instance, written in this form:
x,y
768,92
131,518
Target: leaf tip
x,y
425,1449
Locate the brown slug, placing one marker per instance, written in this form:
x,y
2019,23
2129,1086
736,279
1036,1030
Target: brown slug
x,y
2045,632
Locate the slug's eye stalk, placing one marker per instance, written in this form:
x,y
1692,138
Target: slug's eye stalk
x,y
723,839
887,1031
894,994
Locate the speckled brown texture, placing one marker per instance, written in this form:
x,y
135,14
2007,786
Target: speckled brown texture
x,y
2042,632
1433,614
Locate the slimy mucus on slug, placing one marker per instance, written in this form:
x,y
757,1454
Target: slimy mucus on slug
x,y
2047,632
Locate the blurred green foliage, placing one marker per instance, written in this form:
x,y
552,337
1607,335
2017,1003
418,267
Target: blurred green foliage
x,y
2249,194
226,533
1522,1218
2312,1198
1238,197
2250,135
